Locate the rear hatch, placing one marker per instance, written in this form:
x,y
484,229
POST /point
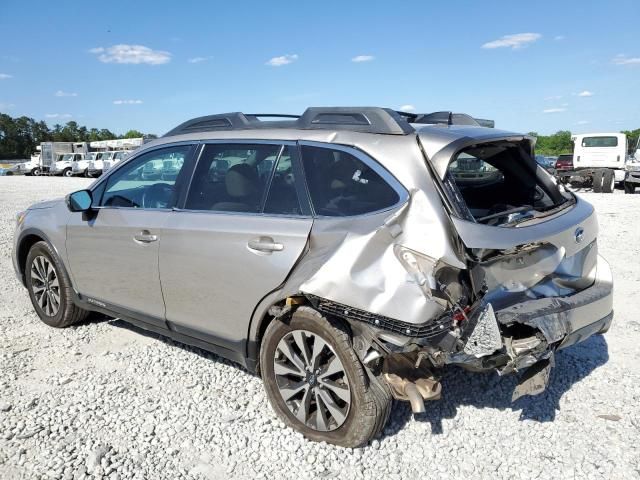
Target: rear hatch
x,y
524,236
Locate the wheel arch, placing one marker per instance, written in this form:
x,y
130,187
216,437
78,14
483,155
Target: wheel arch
x,y
28,238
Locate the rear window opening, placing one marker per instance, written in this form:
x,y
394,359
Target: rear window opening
x,y
500,184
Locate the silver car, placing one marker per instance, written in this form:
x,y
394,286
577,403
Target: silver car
x,y
346,256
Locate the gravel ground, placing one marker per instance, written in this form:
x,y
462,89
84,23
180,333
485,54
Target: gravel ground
x,y
104,400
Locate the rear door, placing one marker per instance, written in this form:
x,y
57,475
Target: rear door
x,y
240,232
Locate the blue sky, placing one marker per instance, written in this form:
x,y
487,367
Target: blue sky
x,y
530,66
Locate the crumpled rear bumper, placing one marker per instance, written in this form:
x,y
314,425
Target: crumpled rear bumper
x,y
560,319
531,331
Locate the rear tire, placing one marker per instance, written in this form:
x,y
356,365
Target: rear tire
x,y
597,181
608,181
369,402
629,188
36,172
50,289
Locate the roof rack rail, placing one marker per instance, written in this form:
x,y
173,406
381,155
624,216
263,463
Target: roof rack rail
x,y
447,118
357,119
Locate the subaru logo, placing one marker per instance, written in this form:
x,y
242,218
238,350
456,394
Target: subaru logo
x,y
579,235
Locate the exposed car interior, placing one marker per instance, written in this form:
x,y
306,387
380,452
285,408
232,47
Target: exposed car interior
x,y
501,184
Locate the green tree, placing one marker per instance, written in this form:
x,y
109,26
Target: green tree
x,y
133,134
555,144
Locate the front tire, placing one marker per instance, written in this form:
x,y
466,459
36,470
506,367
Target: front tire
x,y
50,288
317,385
67,172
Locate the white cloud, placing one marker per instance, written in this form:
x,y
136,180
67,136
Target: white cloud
x,y
363,58
559,37
582,122
62,93
199,59
282,60
135,54
58,115
515,41
127,102
553,97
585,93
4,76
407,108
625,60
6,106
554,110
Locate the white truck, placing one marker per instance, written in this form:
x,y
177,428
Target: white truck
x,y
64,164
81,167
598,161
632,171
32,167
110,162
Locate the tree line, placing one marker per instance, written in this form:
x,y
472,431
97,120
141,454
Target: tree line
x,y
560,142
20,136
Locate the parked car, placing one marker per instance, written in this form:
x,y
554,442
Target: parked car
x,y
348,273
548,163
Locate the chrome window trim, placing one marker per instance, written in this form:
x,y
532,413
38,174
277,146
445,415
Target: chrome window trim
x,y
367,159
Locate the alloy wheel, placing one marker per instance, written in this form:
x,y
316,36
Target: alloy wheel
x,y
45,285
312,380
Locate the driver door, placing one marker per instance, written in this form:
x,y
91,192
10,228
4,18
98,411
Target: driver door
x,y
113,250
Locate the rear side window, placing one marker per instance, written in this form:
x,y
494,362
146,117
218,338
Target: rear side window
x,y
232,177
341,184
600,142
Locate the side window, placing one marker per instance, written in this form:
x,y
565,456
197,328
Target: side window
x,y
341,184
148,181
232,177
282,197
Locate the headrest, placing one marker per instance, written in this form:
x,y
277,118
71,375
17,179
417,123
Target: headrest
x,y
242,181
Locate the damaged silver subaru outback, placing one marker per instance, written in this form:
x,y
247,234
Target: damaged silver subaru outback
x,y
346,255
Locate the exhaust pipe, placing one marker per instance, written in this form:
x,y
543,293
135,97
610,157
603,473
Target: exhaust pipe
x,y
415,399
414,392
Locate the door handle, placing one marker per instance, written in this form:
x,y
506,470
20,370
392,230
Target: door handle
x,y
265,244
145,237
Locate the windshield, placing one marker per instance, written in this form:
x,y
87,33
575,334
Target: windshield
x,y
600,142
66,158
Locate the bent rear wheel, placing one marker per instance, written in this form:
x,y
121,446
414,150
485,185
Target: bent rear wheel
x,y
317,385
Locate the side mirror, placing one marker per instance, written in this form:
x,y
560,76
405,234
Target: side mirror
x,y
79,201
